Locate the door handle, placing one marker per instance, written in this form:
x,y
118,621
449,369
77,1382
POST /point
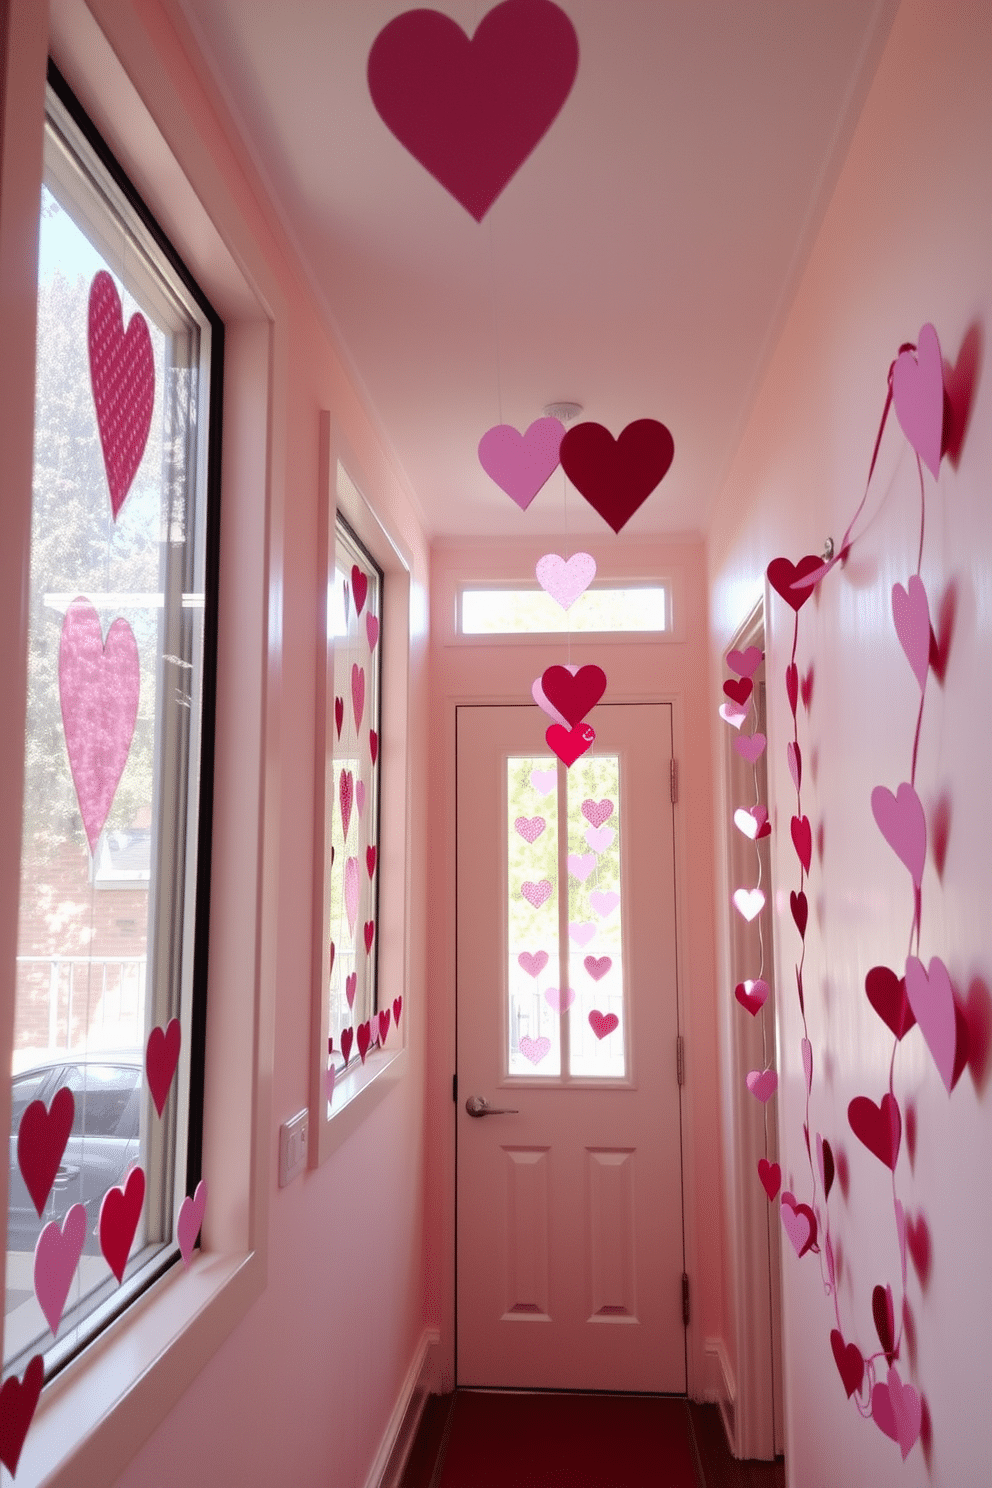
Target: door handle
x,y
477,1105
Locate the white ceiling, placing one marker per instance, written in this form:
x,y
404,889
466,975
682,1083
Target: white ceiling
x,y
640,262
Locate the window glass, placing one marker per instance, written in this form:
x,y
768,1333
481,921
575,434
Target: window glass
x,y
531,611
534,962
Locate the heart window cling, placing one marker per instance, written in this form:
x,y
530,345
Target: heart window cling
x,y
924,994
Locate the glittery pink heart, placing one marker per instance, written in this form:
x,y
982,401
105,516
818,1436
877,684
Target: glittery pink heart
x,y
533,962
565,581
122,375
597,967
535,1049
602,1024
346,795
537,894
530,828
597,812
599,838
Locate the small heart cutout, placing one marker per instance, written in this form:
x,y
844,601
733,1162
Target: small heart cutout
x,y
570,744
120,1211
161,1058
771,1177
190,1220
603,1024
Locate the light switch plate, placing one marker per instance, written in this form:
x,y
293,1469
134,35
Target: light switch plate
x,y
293,1137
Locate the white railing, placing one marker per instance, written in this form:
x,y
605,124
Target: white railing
x,y
113,990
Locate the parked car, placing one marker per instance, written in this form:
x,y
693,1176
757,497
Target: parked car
x,y
103,1143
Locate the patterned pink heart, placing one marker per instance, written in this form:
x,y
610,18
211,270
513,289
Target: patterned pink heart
x,y
582,934
18,1402
901,821
346,795
897,1411
347,1039
535,1049
369,934
122,375
543,781
41,1139
119,1215
580,865
191,1212
733,714
752,996
762,1084
360,795
745,663
931,998
557,999
530,828
350,987
911,616
600,838
770,1175
750,746
537,894
56,1257
918,396
603,1024
749,902
533,963
99,683
597,812
358,693
397,1009
604,903
597,967
565,581
161,1058
383,1025
352,887
359,588
372,630
520,464
794,757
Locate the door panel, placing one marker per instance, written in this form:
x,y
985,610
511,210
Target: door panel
x,y
569,1205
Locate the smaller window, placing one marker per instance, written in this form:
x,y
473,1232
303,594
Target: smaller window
x,y
641,607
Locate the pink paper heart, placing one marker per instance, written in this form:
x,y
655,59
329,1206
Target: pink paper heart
x,y
352,886
570,744
372,630
346,795
397,1009
918,396
351,987
932,1000
191,1212
580,865
597,812
18,1402
329,1078
745,663
807,1049
901,821
733,714
119,1215
750,746
359,588
533,962
99,683
369,934
161,1058
558,999
520,464
383,1025
897,1411
752,996
360,795
911,615
599,838
535,1049
597,967
565,581
762,1084
799,1223
543,781
537,693
602,1024
749,902
537,894
604,903
471,111
41,1139
770,1175
530,828
56,1257
358,693
122,375
793,755
347,1039
582,934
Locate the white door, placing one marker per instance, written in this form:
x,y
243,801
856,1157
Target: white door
x,y
569,1207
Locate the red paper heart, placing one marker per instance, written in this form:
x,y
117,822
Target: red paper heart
x,y
369,933
364,1035
122,374
792,685
752,996
119,1215
383,1025
18,1402
569,744
347,1039
471,111
883,1311
782,575
887,995
330,962
738,691
370,857
359,588
373,745
161,1058
800,911
338,714
802,840
573,696
41,1140
616,476
878,1127
826,1159
849,1361
602,1024
397,1009
771,1177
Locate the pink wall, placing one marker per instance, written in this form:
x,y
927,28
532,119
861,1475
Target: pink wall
x,y
637,670
907,239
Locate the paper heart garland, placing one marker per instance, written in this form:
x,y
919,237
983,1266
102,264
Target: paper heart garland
x,y
897,1411
122,376
902,823
559,999
570,744
878,1127
597,967
41,1139
359,588
931,999
753,823
521,464
770,1175
18,1402
535,1049
471,111
56,1257
849,1360
533,962
565,582
537,894
573,695
120,1211
911,617
530,828
161,1058
616,476
733,714
918,397
603,1024
99,684
799,905
191,1212
597,812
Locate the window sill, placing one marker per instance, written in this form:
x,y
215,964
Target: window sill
x,y
97,1413
356,1094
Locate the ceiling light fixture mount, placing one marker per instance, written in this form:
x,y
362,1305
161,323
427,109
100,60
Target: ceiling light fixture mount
x,y
563,411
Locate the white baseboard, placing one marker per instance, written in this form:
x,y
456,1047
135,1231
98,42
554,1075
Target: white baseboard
x,y
721,1388
390,1460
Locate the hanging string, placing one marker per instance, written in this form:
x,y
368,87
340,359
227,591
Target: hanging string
x,y
495,313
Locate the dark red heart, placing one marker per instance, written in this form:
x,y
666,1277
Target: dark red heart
x,y
471,111
359,588
330,962
828,1168
119,1215
41,1139
883,1312
338,714
569,744
18,1402
347,1039
122,375
849,1362
878,1127
370,857
799,905
771,1177
397,1009
782,575
373,745
574,696
792,685
161,1058
369,933
920,1249
738,691
616,476
887,995
364,1034
802,840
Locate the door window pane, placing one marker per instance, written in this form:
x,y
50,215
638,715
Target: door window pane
x,y
595,916
532,929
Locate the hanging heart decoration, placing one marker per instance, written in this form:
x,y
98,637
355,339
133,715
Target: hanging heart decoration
x,y
770,1175
190,1220
161,1058
570,744
537,693
901,821
521,464
120,1211
359,588
745,663
18,1403
616,476
358,693
573,695
565,581
56,1257
918,397
41,1140
911,617
752,995
122,376
762,1084
471,111
346,795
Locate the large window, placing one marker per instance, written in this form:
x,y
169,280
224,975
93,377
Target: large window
x,y
118,759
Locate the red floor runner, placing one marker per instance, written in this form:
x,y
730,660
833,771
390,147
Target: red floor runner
x,y
502,1440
